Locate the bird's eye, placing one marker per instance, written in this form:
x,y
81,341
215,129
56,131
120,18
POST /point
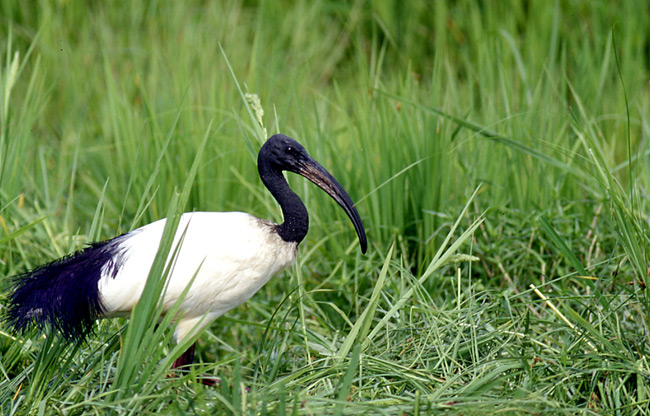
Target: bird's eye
x,y
290,149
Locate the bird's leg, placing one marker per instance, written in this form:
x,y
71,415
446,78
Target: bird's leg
x,y
186,359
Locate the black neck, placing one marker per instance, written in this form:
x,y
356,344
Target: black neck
x,y
296,220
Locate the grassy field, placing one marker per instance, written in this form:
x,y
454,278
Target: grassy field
x,y
498,153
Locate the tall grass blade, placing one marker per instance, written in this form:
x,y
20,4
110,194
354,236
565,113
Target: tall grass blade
x,y
438,261
346,382
562,247
362,326
139,340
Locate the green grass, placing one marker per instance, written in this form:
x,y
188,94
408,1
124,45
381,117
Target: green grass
x,y
517,133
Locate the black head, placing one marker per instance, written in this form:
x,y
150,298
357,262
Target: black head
x,y
284,153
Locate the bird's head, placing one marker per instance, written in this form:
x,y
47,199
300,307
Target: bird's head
x,y
284,153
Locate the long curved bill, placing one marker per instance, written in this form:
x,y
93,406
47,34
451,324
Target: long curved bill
x,y
313,171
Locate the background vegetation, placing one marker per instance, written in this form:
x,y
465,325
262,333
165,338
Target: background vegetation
x,y
515,132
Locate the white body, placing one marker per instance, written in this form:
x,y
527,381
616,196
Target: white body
x,y
235,255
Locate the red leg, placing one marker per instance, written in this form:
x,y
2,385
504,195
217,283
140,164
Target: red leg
x,y
186,359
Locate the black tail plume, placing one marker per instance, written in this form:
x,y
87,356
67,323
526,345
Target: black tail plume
x,y
64,294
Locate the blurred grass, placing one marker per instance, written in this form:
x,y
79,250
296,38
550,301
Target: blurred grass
x,y
540,106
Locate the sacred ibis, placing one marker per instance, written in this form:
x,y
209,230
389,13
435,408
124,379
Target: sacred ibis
x,y
235,254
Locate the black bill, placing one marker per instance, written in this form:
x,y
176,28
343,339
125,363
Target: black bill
x,y
313,171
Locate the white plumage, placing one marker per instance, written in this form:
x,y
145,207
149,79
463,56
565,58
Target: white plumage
x,y
230,270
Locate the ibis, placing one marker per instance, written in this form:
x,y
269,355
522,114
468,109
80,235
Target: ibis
x,y
230,256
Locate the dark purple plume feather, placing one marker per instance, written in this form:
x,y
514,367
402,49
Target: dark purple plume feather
x,y
64,294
